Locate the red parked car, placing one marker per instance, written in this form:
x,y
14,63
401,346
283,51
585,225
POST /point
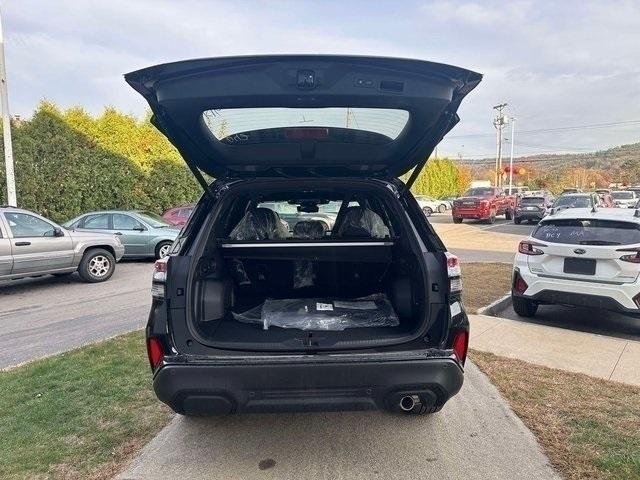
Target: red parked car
x,y
483,203
178,215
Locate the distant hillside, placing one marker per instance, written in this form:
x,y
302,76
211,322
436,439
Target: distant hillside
x,y
605,159
620,162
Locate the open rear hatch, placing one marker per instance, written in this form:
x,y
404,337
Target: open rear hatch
x,y
304,115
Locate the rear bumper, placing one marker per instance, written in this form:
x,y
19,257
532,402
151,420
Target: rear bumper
x,y
557,291
471,214
529,215
202,389
554,297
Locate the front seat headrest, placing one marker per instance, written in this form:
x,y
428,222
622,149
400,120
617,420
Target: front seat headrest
x,y
259,224
311,229
361,222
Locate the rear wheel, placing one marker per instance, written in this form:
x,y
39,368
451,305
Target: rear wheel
x,y
162,249
97,265
427,211
524,307
457,219
442,208
517,221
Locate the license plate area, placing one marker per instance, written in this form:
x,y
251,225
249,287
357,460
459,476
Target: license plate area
x,y
580,266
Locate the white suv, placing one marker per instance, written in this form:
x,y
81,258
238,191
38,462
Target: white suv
x,y
580,257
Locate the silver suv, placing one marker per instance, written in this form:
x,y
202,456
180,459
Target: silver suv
x,y
31,245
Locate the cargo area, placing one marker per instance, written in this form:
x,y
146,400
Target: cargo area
x,y
320,270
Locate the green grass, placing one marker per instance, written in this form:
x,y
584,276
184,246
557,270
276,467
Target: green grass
x,y
79,414
588,427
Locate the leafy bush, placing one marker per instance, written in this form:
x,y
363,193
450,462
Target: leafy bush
x,y
68,163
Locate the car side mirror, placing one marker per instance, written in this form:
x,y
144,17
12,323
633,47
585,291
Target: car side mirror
x,y
57,232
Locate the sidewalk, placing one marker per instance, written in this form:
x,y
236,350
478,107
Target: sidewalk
x,y
596,355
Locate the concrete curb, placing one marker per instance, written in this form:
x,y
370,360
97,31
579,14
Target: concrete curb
x,y
496,307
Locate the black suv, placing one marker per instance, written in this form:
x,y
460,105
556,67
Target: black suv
x,y
249,316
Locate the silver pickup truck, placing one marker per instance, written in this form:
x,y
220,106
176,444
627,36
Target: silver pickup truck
x,y
31,245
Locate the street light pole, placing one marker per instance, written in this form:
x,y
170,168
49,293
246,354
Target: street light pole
x,y
499,123
513,131
6,127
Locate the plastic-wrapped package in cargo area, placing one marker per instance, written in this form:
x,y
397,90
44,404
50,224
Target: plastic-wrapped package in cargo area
x,y
323,314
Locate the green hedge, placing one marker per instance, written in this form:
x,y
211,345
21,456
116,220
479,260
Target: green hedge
x,y
68,162
441,178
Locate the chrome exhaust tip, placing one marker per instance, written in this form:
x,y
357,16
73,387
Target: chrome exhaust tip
x,y
408,403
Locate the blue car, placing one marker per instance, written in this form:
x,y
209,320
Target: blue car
x,y
143,234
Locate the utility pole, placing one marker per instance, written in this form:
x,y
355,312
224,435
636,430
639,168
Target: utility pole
x,y
499,122
6,127
513,131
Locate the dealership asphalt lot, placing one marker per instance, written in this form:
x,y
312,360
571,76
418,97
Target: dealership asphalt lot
x,y
46,315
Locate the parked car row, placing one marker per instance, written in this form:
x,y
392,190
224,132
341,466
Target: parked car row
x,y
91,244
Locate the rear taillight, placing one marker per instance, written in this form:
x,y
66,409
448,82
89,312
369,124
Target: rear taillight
x,y
519,285
636,300
155,352
631,257
528,247
159,278
461,345
454,273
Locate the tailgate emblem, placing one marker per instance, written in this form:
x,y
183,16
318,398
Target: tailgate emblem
x,y
579,251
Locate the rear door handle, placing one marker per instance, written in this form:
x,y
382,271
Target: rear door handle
x,y
22,244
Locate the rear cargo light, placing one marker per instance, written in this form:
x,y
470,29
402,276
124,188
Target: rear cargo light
x,y
631,257
519,285
154,352
461,345
159,278
528,247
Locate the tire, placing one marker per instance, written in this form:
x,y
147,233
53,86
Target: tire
x,y
442,208
492,218
427,211
162,249
508,214
524,307
97,265
457,219
517,221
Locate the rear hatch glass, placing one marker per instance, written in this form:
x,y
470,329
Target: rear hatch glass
x,y
588,232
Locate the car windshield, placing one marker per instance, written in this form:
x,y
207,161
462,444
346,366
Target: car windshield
x,y
478,192
573,201
588,232
532,201
623,195
155,221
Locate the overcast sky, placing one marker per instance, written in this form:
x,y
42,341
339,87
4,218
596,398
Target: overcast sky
x,y
557,64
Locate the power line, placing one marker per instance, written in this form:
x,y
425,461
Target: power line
x,y
557,129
